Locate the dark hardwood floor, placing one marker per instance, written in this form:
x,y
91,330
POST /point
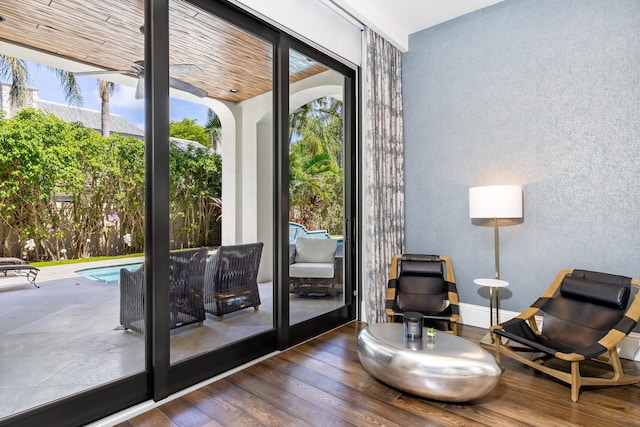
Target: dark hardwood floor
x,y
321,383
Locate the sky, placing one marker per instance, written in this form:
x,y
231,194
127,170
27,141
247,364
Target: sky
x,y
122,102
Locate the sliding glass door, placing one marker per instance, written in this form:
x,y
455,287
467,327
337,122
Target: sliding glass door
x,y
220,175
320,183
173,244
316,188
72,208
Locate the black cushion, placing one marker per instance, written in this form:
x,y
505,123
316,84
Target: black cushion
x,y
595,292
420,268
601,277
421,286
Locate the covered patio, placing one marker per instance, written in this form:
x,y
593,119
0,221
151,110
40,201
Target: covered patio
x,y
65,337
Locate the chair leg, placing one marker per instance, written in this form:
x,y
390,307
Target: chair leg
x,y
575,381
454,328
498,344
614,361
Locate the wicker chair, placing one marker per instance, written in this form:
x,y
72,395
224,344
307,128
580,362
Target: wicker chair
x,y
231,282
186,282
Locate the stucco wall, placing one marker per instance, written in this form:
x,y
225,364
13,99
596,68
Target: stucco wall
x,y
544,94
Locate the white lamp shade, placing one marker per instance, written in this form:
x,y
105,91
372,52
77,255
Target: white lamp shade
x,y
495,201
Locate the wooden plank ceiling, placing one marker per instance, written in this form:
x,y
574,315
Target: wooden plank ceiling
x,y
98,32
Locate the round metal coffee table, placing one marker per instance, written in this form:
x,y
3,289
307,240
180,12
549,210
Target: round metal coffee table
x,y
450,369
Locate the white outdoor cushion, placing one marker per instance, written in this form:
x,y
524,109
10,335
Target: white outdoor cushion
x,y
315,250
312,270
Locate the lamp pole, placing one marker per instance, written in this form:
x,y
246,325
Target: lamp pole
x,y
496,240
497,259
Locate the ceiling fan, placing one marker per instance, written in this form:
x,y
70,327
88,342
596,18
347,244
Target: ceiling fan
x,y
137,68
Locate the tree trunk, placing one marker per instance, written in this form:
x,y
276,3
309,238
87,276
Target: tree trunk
x,y
105,120
105,89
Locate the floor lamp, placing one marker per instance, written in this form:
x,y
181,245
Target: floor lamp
x,y
495,202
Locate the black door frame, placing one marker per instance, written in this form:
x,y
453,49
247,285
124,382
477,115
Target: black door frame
x,y
161,378
289,335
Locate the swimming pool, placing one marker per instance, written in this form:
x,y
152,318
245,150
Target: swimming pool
x,y
110,274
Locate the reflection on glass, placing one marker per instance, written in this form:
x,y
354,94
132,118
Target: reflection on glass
x,y
316,189
220,189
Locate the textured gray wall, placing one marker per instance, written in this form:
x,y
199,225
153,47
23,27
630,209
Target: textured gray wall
x,y
545,94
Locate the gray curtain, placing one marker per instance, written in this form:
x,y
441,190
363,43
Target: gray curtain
x,y
384,157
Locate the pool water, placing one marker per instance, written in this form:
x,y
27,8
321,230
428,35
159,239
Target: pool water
x,y
110,274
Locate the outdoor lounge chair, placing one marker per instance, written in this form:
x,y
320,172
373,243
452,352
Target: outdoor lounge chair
x,y
315,267
231,279
186,282
20,267
418,283
585,315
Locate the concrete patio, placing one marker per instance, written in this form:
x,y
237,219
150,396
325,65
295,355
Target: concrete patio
x,y
65,337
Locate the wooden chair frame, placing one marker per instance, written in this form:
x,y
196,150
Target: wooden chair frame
x,y
574,378
452,294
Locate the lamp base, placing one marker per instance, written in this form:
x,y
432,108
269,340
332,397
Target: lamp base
x,y
490,345
487,343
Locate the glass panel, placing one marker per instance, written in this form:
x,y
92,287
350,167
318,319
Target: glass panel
x,y
221,181
71,198
316,188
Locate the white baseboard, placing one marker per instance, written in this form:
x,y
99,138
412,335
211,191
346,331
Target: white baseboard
x,y
476,315
629,348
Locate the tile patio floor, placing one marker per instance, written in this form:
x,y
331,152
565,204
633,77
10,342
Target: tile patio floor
x,y
65,337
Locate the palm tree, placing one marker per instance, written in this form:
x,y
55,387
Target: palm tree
x,y
213,128
315,164
105,89
325,109
69,86
15,70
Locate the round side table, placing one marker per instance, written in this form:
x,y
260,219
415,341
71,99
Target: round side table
x,y
494,298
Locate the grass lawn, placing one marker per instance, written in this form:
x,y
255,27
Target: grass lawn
x,y
81,260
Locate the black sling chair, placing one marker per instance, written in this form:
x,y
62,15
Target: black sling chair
x,y
424,284
585,315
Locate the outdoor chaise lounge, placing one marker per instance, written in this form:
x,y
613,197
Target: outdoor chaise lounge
x,y
186,282
17,265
